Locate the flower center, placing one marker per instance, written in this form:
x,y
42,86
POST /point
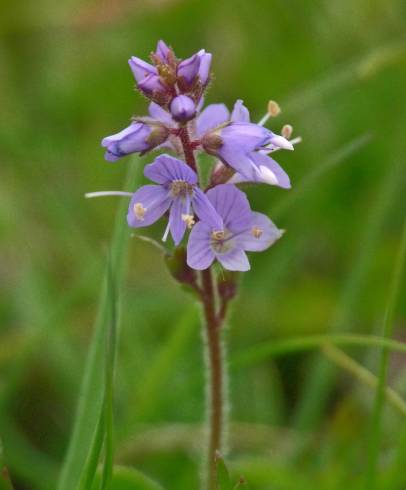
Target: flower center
x,y
181,188
221,241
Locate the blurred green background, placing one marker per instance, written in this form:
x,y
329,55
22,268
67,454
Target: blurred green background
x,y
300,419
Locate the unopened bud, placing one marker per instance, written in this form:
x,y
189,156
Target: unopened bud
x,y
183,108
179,269
273,108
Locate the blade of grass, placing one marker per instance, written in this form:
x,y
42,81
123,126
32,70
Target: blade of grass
x,y
109,378
90,468
363,374
161,368
275,348
387,331
307,183
321,378
104,429
91,398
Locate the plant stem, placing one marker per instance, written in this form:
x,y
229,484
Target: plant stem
x,y
215,391
215,379
187,148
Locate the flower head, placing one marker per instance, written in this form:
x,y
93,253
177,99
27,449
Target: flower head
x,y
243,230
241,144
177,191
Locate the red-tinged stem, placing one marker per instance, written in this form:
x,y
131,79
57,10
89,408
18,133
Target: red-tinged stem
x,y
187,148
215,378
216,383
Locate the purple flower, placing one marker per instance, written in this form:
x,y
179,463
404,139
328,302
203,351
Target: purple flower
x,y
197,65
241,144
177,190
163,52
138,137
183,108
244,230
204,68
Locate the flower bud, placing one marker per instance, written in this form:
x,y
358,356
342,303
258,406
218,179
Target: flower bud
x,y
183,108
189,68
141,69
179,269
204,68
139,137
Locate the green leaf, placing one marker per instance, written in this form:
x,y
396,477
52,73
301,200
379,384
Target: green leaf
x,y
5,480
92,392
125,478
223,475
109,379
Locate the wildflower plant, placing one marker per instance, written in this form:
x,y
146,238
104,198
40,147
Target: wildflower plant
x,y
208,221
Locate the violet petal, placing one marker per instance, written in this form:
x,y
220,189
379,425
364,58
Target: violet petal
x,y
147,205
199,252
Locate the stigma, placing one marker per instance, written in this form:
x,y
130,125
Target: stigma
x,y
139,211
218,235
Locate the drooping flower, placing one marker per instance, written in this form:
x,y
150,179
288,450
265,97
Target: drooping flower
x,y
241,144
177,191
138,137
243,231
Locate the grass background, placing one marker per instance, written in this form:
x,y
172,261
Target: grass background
x,y
302,418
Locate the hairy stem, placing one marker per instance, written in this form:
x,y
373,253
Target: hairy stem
x,y
187,148
215,378
215,390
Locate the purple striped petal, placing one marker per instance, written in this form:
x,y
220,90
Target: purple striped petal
x,y
147,205
240,112
176,223
160,114
211,117
232,205
234,260
261,234
165,169
205,210
199,252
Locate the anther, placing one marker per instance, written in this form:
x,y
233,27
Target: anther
x,y
256,232
139,211
273,108
189,220
287,131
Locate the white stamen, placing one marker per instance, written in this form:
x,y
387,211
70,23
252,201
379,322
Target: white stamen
x,y
139,211
89,195
287,131
266,175
189,220
164,238
273,108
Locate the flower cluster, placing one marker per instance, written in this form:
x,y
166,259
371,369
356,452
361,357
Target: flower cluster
x,y
222,225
